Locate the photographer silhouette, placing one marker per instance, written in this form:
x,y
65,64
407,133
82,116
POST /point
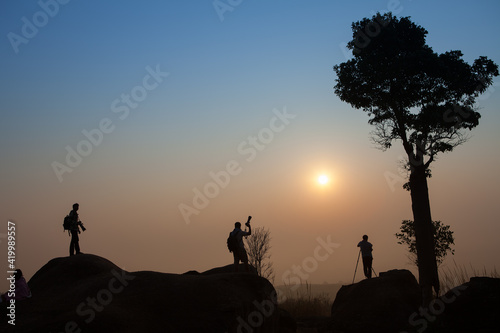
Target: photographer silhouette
x,y
76,224
241,254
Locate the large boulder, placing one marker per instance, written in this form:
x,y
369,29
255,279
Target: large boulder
x,y
471,307
225,269
382,304
87,293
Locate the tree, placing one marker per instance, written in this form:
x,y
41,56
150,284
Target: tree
x,y
415,96
259,246
443,240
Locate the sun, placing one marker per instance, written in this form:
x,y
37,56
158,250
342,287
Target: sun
x,y
323,179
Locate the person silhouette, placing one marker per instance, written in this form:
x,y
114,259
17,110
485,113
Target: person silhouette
x,y
74,244
21,289
241,253
366,249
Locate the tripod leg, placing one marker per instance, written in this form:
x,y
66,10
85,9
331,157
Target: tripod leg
x,y
374,272
359,253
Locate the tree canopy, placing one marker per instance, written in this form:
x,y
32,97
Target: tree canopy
x,y
443,240
412,94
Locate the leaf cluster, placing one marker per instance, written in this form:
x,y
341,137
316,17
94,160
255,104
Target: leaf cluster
x,y
411,93
443,240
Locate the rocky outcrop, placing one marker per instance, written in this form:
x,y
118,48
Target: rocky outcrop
x,y
391,303
224,269
471,307
87,293
381,304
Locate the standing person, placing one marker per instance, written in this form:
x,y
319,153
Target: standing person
x,y
366,249
241,253
74,229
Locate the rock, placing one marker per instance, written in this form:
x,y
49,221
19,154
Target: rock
x,y
470,307
314,324
225,269
87,293
381,304
287,322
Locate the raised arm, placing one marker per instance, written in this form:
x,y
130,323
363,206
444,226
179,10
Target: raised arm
x,y
249,226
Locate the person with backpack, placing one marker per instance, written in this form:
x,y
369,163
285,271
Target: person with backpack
x,y
236,245
74,226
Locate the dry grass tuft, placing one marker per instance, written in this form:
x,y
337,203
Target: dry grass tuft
x,y
303,304
456,275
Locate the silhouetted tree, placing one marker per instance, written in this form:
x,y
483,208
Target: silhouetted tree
x,y
443,240
258,248
413,95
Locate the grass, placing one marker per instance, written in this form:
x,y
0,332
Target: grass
x,y
301,303
456,275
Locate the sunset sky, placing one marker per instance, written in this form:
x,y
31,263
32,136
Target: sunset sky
x,y
168,121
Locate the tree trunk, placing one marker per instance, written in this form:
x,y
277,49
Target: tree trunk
x,y
427,266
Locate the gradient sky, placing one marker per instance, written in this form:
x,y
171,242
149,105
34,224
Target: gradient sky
x,y
176,94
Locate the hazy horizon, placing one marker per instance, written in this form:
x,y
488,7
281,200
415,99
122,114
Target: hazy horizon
x,y
169,122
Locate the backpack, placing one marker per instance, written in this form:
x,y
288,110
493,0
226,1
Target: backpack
x,y
67,223
232,242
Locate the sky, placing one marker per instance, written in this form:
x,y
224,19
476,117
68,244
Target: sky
x,y
168,121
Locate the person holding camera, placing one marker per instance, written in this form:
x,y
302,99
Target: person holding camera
x,y
74,229
241,253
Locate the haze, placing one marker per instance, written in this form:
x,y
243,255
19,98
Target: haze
x,y
169,121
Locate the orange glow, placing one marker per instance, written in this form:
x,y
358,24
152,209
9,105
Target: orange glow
x,y
323,179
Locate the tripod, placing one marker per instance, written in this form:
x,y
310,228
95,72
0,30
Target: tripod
x,y
359,253
355,270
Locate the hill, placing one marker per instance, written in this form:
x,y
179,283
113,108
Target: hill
x,y
88,293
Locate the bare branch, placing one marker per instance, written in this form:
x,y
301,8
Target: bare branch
x,y
258,249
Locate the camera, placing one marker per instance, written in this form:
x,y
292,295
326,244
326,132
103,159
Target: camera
x,y
81,226
248,222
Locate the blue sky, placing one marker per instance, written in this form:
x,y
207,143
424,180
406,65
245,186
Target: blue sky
x,y
225,78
